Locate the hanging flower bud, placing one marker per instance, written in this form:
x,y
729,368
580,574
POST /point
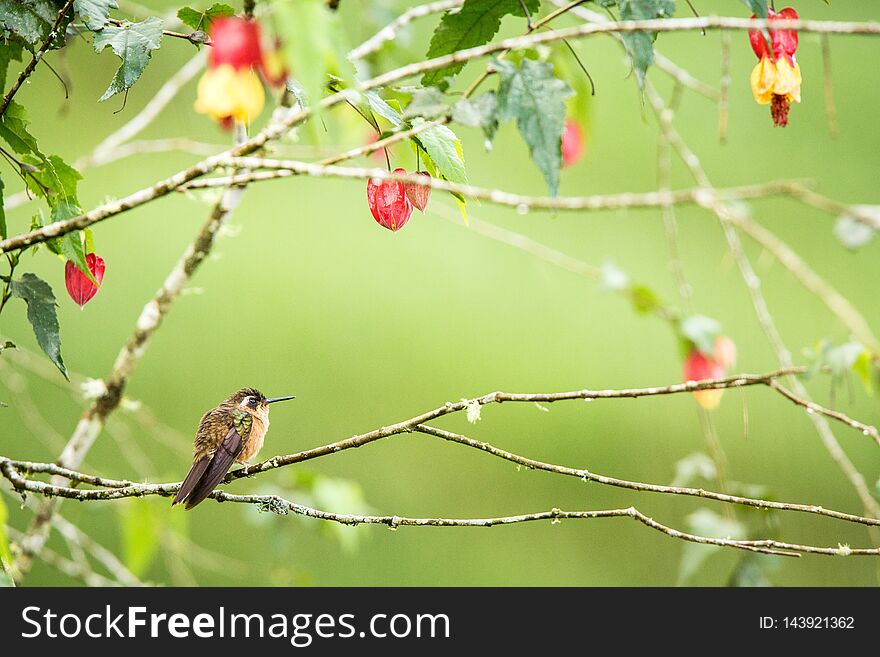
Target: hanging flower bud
x,y
572,143
79,287
698,366
235,41
230,90
388,202
272,68
418,194
776,78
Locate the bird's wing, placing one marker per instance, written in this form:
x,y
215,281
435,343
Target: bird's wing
x,y
192,478
210,470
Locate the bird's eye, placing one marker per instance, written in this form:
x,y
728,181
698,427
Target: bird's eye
x,y
252,402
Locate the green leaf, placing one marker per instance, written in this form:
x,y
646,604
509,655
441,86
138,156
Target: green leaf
x,y
56,176
694,468
313,47
702,331
41,314
427,102
32,20
13,130
640,45
201,20
474,25
862,369
705,523
481,112
533,96
444,149
381,107
132,43
644,299
70,245
94,13
758,7
140,526
341,496
9,51
752,570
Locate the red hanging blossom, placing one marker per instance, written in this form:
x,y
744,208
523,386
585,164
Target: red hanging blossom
x,y
230,90
699,366
776,78
572,143
418,194
388,202
79,287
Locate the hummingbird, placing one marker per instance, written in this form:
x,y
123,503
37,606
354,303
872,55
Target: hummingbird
x,y
231,432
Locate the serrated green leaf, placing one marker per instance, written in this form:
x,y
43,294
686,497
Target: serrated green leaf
x,y
481,112
758,7
702,331
13,130
53,179
94,13
474,25
535,97
32,20
444,148
201,20
640,45
427,102
41,304
132,43
381,107
70,245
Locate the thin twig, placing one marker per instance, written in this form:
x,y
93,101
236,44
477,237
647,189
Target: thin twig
x,y
389,32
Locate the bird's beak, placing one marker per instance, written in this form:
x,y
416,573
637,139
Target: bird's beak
x,y
277,399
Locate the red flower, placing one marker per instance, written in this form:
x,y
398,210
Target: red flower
x,y
230,90
388,202
572,143
698,366
418,194
79,287
235,41
776,78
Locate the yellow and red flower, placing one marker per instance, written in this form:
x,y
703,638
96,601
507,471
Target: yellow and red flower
x,y
776,78
230,90
699,366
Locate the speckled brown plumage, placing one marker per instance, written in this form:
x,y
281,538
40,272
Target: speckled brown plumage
x,y
231,432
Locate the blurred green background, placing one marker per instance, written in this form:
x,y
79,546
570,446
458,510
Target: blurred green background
x,y
306,295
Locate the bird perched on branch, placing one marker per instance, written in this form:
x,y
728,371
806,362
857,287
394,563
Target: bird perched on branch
x,y
231,432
